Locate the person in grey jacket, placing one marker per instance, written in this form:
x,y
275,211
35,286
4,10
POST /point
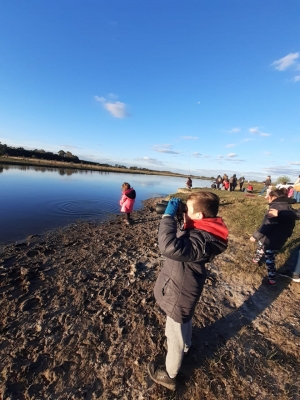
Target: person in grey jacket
x,y
181,280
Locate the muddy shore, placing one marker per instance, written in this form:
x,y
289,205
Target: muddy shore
x,y
79,320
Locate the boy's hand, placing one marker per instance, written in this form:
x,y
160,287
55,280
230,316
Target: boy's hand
x,y
273,213
252,239
172,207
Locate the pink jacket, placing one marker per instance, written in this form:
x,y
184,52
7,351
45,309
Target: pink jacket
x,y
127,200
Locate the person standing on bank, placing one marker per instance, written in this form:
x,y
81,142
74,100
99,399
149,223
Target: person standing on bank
x,y
297,190
127,201
241,182
181,280
232,182
267,183
219,182
274,232
189,183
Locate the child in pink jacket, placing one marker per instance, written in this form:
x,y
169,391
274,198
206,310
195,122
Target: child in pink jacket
x,y
127,200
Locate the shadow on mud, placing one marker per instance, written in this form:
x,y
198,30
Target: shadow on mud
x,y
210,339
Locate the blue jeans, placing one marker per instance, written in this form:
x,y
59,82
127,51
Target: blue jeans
x,y
297,269
297,196
263,190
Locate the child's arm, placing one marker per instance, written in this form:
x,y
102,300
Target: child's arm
x,y
283,214
123,199
180,248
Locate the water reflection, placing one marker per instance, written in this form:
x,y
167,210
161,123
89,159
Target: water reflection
x,y
35,199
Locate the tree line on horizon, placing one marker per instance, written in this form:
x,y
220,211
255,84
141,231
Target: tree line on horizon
x,y
41,154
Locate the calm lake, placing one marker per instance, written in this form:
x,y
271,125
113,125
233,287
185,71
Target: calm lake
x,y
36,199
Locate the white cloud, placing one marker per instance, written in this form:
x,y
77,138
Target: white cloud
x,y
297,78
283,170
232,157
117,108
149,160
256,131
234,130
295,163
231,145
69,146
112,96
100,99
164,148
189,137
246,140
286,62
267,153
197,155
235,160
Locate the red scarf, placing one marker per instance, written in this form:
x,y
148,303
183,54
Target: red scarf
x,y
215,226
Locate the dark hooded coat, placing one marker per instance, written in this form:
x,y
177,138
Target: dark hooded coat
x,y
181,280
275,231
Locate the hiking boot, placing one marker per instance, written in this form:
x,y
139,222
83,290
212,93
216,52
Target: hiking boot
x,y
161,376
291,275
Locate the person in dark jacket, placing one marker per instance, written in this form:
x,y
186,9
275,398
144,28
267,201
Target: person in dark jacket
x,y
241,182
233,182
274,232
189,183
181,280
219,181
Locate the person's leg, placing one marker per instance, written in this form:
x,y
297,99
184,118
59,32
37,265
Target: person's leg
x,y
188,338
260,252
127,219
297,269
176,338
270,264
294,274
263,190
297,197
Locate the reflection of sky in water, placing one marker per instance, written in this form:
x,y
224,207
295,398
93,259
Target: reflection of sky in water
x,y
35,199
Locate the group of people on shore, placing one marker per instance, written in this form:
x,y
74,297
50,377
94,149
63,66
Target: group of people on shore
x,y
292,190
181,280
226,183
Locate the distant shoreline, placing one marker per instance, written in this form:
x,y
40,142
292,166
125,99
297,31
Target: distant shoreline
x,y
86,167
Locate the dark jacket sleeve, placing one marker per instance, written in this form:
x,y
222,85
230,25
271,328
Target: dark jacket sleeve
x,y
289,214
182,248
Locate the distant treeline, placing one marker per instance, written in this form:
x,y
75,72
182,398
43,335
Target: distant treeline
x,y
61,156
39,154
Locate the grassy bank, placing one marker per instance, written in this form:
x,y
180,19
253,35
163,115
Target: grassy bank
x,y
85,167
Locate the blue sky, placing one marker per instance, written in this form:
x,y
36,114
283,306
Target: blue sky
x,y
199,87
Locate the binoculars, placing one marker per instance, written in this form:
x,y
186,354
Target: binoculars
x,y
161,207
